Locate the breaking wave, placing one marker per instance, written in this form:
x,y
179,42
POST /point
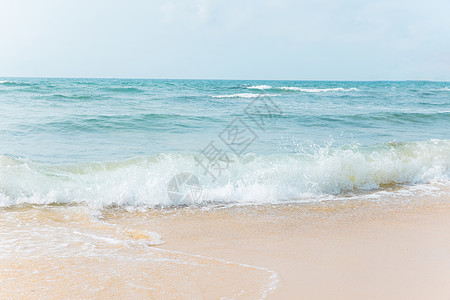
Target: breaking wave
x,y
250,179
243,95
301,89
315,90
260,87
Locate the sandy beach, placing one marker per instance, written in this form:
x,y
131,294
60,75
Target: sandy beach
x,y
335,253
331,250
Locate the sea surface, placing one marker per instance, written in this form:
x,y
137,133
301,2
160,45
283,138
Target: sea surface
x,y
96,174
133,143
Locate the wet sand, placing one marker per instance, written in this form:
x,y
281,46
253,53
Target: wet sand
x,y
330,250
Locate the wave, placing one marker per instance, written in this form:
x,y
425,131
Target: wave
x,y
300,89
260,87
123,89
393,118
244,95
119,122
316,90
388,116
144,181
13,83
75,97
446,89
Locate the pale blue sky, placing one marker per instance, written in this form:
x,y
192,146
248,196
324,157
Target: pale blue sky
x,y
264,39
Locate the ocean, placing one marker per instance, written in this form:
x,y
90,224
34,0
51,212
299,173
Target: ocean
x,y
96,175
123,142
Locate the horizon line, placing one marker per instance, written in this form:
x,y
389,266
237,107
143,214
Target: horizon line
x,y
224,79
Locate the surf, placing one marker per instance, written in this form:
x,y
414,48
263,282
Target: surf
x,y
308,174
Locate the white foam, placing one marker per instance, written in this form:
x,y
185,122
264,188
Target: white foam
x,y
252,179
317,90
244,95
301,89
260,87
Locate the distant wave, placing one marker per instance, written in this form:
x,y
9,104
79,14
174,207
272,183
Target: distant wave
x,y
315,90
75,97
143,181
244,95
101,123
385,117
446,89
260,87
123,90
12,83
300,89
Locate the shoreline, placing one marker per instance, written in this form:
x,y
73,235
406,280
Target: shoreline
x,y
339,250
333,249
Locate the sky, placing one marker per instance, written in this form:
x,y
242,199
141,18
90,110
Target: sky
x,y
227,39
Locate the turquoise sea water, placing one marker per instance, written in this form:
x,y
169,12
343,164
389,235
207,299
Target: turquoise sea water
x,y
120,141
